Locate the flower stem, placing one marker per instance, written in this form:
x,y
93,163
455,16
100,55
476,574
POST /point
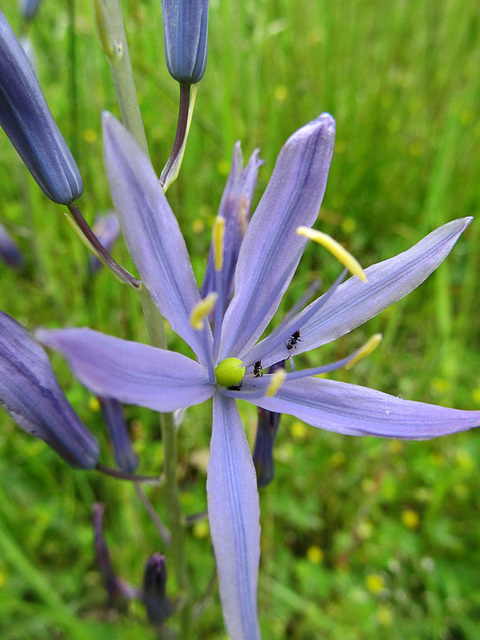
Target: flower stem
x,y
185,112
111,31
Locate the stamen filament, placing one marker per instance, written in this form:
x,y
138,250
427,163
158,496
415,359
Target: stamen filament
x,y
366,350
336,249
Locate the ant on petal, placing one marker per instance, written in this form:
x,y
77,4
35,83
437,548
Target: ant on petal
x,y
257,369
292,341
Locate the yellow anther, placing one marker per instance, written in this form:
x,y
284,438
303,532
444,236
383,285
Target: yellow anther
x,y
202,310
336,249
278,378
366,350
218,236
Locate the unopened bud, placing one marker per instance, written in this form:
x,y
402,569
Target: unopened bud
x,y
154,589
31,395
29,124
185,27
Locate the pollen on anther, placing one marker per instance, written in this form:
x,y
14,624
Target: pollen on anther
x,y
202,310
336,249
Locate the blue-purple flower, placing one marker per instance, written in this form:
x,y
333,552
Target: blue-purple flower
x,y
29,124
229,357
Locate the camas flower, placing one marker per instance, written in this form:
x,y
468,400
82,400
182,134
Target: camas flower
x,y
228,359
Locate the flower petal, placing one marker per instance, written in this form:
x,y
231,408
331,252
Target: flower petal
x,y
30,394
131,372
271,249
355,302
359,411
151,232
234,512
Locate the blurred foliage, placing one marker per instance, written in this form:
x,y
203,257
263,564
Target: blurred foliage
x,y
362,538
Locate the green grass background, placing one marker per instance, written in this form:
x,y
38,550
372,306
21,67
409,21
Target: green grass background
x,y
362,538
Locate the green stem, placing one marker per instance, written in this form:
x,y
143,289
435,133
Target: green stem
x,y
111,31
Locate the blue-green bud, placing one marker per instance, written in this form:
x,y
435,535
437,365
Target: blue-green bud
x,y
28,122
185,24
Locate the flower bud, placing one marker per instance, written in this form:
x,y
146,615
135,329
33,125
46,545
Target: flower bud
x,y
31,395
154,589
27,121
9,252
185,24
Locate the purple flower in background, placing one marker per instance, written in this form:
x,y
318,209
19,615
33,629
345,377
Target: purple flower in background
x,y
229,360
235,208
30,8
185,25
9,252
29,124
107,230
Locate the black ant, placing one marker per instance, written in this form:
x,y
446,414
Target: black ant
x,y
292,341
257,369
235,387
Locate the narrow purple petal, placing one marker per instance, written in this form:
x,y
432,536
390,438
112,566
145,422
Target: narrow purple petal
x,y
359,411
131,372
30,394
125,456
355,302
234,512
151,232
271,249
235,208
